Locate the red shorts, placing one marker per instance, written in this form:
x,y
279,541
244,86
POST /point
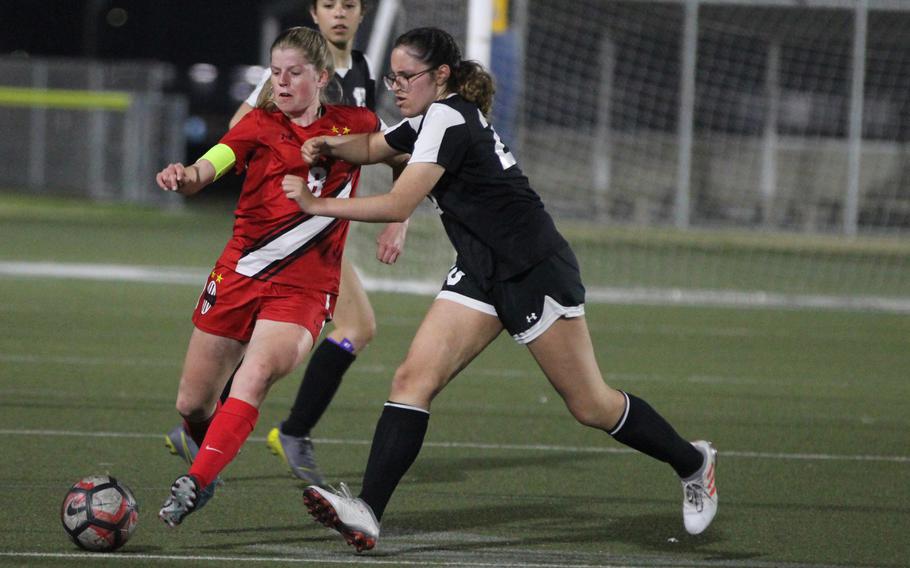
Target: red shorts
x,y
231,303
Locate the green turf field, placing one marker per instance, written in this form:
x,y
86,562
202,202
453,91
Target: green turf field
x,y
809,410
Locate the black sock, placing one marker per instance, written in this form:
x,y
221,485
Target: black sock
x,y
396,443
320,381
643,429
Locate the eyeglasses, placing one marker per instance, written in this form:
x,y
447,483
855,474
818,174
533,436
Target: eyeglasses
x,y
402,80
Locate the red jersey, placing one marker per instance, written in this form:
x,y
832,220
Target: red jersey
x,y
273,239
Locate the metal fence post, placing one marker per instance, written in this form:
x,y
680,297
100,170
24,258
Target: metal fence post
x,y
855,136
689,49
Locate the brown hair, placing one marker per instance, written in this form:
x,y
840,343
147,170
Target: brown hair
x,y
437,47
315,50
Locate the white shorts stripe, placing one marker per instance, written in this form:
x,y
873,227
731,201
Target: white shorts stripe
x,y
552,311
467,302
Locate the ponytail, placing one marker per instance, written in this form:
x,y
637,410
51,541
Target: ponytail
x,y
474,84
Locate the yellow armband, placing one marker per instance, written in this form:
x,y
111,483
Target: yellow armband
x,y
222,157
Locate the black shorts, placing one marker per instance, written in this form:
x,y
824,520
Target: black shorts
x,y
527,304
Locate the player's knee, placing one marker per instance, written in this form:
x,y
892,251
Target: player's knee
x,y
404,380
369,331
191,408
360,335
260,373
411,383
597,407
589,413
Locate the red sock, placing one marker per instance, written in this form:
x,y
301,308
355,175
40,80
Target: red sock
x,y
197,430
229,430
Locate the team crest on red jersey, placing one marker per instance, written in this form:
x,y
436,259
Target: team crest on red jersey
x,y
209,294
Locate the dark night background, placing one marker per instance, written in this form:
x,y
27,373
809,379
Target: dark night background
x,y
223,33
181,32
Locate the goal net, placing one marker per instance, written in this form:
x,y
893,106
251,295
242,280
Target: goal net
x,y
721,151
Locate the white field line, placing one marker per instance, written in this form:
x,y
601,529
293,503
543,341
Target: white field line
x,y
494,447
322,560
613,378
508,558
96,361
25,358
607,295
105,272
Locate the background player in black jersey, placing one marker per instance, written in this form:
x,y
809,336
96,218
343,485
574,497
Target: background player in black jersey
x,y
513,270
354,323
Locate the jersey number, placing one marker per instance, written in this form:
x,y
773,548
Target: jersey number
x,y
315,180
502,152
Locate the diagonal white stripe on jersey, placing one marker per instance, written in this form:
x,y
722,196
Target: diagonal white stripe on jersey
x,y
285,245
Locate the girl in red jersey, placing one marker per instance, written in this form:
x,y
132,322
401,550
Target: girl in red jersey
x,y
276,281
354,321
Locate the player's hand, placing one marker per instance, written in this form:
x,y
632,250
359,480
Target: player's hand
x,y
296,189
172,178
390,242
314,149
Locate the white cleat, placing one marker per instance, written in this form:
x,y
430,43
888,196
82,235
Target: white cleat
x,y
700,492
348,515
185,498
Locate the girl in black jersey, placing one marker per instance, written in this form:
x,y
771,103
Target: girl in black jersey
x,y
514,271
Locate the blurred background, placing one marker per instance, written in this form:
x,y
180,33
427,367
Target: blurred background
x,y
692,146
183,67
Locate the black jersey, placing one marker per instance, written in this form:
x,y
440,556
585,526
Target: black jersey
x,y
496,222
358,85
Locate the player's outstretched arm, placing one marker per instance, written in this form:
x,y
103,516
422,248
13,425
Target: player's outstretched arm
x,y
414,184
186,180
370,148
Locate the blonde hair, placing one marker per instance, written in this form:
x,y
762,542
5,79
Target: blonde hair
x,y
315,50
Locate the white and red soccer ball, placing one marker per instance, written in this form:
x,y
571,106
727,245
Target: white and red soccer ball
x,y
99,513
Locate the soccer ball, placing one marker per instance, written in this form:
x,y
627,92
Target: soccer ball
x,y
99,513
